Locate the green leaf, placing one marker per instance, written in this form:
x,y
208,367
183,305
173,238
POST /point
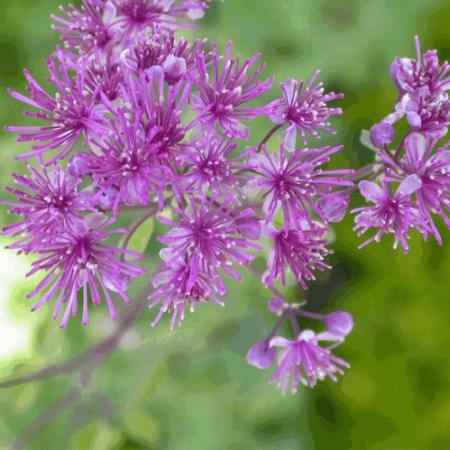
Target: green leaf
x,y
142,426
96,435
141,237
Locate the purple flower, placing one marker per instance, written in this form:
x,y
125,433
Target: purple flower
x,y
225,85
71,112
159,109
390,213
424,112
103,77
295,182
261,355
382,134
410,75
432,166
180,284
339,324
303,360
48,204
161,49
301,250
209,235
125,164
136,156
80,261
134,16
212,166
304,109
85,29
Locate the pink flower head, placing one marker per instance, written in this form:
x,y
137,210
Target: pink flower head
x,y
126,166
85,30
225,86
303,360
104,77
431,164
183,284
210,237
304,109
412,74
425,112
136,155
81,261
301,250
134,16
212,166
48,204
161,49
159,108
70,113
390,213
294,182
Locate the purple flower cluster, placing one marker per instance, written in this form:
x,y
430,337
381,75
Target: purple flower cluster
x,y
410,183
135,118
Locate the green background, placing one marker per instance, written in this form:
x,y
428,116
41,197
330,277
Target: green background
x,y
192,388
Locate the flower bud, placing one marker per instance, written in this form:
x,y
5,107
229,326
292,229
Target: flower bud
x,y
106,200
334,206
275,305
261,355
339,323
79,165
382,134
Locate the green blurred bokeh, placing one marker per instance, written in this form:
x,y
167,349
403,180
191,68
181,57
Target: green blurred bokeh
x,y
192,388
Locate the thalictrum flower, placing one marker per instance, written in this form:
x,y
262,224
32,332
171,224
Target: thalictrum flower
x,y
294,182
213,167
431,164
159,108
412,74
134,16
70,113
391,213
79,260
126,164
225,86
183,284
209,235
103,77
47,202
162,49
424,111
301,250
137,154
304,109
304,360
85,29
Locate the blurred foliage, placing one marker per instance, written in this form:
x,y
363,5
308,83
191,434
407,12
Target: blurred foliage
x,y
192,388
